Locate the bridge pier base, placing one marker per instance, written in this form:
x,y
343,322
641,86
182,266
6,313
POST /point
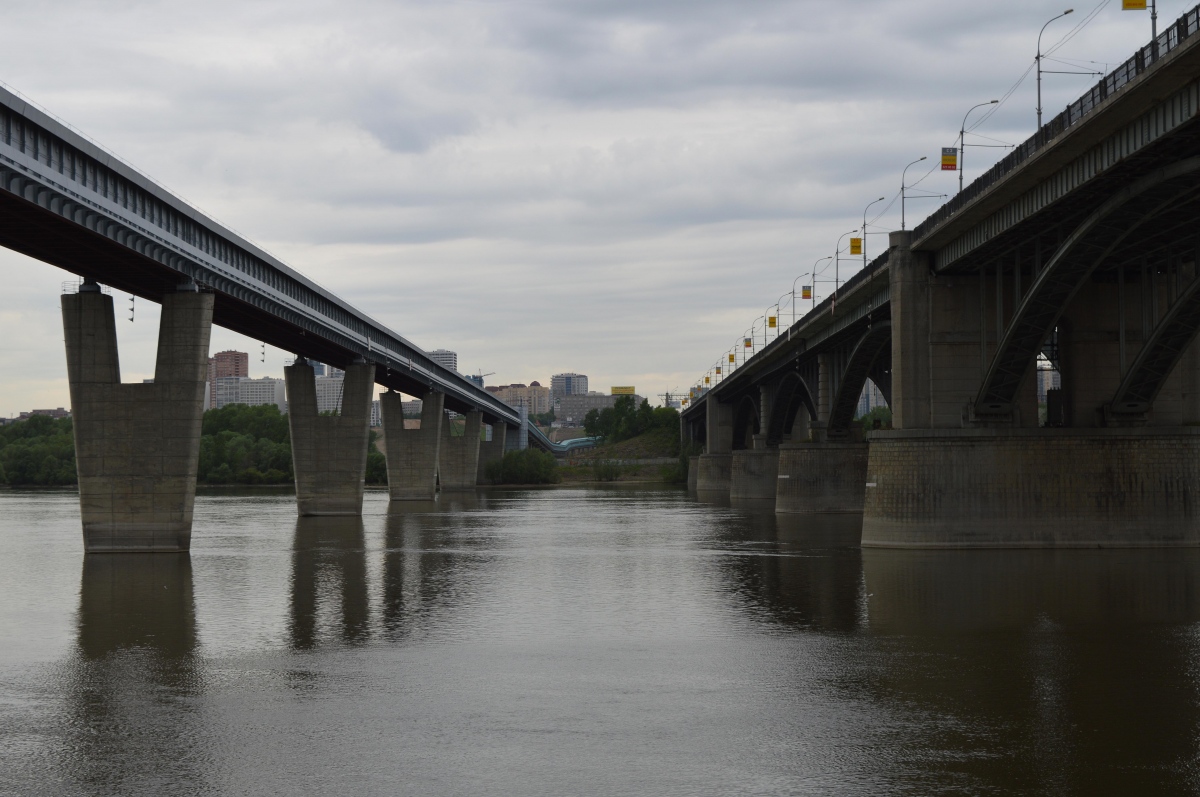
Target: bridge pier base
x,y
693,479
491,450
713,474
458,458
819,478
329,452
137,446
412,454
1035,488
752,474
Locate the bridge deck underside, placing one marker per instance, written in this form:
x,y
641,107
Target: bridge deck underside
x,y
31,230
1033,241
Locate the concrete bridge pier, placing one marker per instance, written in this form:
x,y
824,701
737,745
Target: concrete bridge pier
x,y
820,478
955,475
137,446
329,452
491,450
753,471
715,467
412,454
458,459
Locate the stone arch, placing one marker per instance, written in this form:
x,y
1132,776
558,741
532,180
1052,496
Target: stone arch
x,y
1160,354
745,423
1081,253
854,376
791,394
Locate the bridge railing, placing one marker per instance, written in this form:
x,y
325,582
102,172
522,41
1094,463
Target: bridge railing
x,y
1175,34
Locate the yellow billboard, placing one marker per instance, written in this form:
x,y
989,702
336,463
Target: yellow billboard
x,y
856,246
1133,5
624,390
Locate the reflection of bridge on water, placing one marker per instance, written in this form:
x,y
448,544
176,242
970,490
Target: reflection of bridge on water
x,y
1080,248
1013,667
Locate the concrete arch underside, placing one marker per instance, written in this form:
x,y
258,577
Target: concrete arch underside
x,y
745,423
874,348
1134,215
791,395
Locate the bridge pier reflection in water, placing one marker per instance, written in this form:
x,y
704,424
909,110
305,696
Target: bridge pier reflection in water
x,y
666,643
137,643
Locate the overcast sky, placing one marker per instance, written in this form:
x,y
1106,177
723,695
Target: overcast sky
x,y
610,187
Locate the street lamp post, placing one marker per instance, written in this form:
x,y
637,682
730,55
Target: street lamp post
x,y
864,230
814,279
1039,64
837,263
962,141
802,276
903,186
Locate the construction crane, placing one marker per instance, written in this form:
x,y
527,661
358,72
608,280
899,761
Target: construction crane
x,y
479,374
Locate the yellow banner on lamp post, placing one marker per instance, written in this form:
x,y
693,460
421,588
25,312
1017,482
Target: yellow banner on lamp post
x,y
718,370
706,380
806,292
771,322
732,357
856,246
1133,5
747,342
949,159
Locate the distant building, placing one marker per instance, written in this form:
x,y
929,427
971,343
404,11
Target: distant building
x,y
55,413
376,414
411,409
568,385
329,392
534,396
444,358
1047,379
572,409
477,379
254,392
222,365
870,398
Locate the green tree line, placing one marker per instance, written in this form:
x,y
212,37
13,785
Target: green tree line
x,y
624,420
238,445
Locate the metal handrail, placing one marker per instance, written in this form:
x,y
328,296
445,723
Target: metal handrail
x,y
1174,35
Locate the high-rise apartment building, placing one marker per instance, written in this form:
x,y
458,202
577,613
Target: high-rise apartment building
x,y
444,358
225,364
244,390
870,398
533,396
568,385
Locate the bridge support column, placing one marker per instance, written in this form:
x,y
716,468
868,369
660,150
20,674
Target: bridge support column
x,y
412,454
458,459
752,474
713,475
817,478
137,446
329,452
491,450
1031,488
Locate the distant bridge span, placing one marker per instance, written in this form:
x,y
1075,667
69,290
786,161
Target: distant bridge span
x,y
1081,247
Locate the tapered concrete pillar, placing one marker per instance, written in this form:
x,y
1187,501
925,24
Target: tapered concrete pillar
x,y
716,464
490,451
137,447
412,454
329,452
458,460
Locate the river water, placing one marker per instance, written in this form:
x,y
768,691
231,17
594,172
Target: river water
x,y
583,642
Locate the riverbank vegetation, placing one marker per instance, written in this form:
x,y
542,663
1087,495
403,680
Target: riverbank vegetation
x,y
523,467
